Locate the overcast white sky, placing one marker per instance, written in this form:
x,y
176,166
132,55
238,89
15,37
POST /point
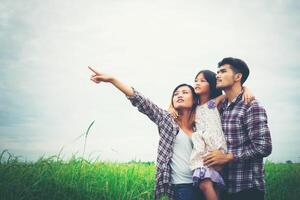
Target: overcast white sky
x,y
47,99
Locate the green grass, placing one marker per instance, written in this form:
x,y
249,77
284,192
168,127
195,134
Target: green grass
x,y
282,181
53,178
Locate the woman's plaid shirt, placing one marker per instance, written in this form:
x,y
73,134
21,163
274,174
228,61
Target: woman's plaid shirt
x,y
168,130
248,139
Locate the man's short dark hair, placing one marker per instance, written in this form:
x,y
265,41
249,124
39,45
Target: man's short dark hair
x,y
237,65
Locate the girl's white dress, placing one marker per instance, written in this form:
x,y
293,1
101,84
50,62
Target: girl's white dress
x,y
208,137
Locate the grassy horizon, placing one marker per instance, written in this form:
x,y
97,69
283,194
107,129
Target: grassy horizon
x,y
78,178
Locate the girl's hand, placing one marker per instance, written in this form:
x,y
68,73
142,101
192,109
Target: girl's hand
x,y
173,112
99,77
248,96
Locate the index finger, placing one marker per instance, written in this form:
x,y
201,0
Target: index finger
x,y
93,70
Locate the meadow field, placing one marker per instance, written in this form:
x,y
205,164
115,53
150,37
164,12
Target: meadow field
x,y
54,178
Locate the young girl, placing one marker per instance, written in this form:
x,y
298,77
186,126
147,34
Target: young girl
x,y
208,136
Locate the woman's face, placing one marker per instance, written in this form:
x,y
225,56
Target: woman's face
x,y
201,85
183,98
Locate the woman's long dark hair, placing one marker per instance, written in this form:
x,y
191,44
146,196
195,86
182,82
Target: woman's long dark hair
x,y
212,81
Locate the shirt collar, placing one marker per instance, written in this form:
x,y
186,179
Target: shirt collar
x,y
227,104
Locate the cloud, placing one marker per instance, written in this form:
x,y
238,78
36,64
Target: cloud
x,y
45,91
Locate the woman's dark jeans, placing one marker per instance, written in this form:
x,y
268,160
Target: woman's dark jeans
x,y
187,192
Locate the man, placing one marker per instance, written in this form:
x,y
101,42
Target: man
x,y
246,132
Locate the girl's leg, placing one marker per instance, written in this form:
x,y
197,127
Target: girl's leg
x,y
207,187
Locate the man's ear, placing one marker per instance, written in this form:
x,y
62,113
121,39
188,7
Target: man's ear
x,y
238,77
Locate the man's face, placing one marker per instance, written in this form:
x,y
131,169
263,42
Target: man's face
x,y
225,77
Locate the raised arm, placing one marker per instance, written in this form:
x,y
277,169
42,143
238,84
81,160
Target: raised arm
x,y
99,77
143,104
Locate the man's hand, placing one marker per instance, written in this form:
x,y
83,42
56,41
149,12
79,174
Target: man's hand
x,y
217,157
248,96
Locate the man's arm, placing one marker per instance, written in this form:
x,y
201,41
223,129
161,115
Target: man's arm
x,y
260,139
258,132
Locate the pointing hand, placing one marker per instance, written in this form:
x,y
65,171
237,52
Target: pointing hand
x,y
99,77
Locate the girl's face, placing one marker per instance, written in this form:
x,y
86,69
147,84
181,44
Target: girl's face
x,y
183,98
201,85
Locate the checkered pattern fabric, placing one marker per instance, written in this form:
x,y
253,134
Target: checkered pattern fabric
x,y
248,139
168,129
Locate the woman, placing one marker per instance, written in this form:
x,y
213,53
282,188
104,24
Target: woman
x,y
173,175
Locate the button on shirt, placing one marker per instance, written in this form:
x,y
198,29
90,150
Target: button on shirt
x,y
248,139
